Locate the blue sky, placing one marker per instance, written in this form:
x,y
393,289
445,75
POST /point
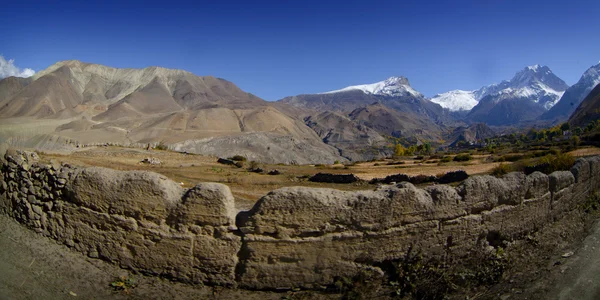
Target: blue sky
x,y
275,49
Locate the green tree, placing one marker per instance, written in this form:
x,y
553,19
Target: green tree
x,y
565,126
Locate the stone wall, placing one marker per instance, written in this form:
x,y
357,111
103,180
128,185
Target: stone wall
x,y
292,237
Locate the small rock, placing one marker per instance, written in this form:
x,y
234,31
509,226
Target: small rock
x,y
151,161
568,254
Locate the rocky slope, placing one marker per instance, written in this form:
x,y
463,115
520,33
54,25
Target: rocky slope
x,y
530,93
389,108
474,133
101,104
588,110
573,96
355,141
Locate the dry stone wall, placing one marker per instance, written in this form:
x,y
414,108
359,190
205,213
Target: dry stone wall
x,y
292,237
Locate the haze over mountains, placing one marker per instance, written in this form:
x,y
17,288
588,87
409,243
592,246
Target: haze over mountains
x,y
89,103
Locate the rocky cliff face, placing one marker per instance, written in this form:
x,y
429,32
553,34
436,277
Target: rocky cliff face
x,y
573,96
292,237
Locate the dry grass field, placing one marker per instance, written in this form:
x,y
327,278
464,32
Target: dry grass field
x,y
247,187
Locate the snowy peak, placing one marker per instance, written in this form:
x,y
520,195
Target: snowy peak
x,y
591,77
535,83
574,95
537,74
393,86
456,100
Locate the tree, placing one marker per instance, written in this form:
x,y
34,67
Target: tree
x,y
427,147
565,126
575,141
399,150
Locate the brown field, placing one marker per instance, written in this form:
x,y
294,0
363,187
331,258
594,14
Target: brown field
x,y
247,187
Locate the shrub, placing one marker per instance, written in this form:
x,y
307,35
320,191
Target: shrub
x,y
161,146
238,158
454,176
501,169
446,159
462,157
513,157
561,162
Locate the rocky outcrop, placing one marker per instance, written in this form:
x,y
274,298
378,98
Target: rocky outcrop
x,y
293,237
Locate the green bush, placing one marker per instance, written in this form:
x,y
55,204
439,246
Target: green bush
x,y
462,157
513,157
446,159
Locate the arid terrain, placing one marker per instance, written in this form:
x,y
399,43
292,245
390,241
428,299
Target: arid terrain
x,y
247,187
556,262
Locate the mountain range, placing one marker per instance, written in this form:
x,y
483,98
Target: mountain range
x,y
530,93
82,103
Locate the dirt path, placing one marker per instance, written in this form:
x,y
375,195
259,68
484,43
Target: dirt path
x,y
579,277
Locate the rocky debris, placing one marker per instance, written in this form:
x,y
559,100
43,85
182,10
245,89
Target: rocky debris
x,y
334,178
274,172
151,161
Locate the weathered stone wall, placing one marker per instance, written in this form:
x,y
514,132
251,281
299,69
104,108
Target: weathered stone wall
x,y
140,220
292,237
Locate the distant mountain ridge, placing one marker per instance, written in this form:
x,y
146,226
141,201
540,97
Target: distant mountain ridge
x,y
534,83
574,95
588,110
530,93
394,86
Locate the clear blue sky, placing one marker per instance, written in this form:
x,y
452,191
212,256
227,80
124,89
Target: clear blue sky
x,y
275,48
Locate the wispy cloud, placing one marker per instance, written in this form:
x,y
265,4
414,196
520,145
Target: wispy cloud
x,y
8,68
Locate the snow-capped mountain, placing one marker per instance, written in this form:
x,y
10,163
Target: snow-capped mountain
x,y
530,93
393,86
574,95
457,100
535,83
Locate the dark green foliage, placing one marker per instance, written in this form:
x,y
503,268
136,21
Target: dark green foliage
x,y
462,157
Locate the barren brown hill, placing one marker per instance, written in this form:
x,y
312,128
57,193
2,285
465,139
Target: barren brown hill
x,y
98,104
355,141
395,123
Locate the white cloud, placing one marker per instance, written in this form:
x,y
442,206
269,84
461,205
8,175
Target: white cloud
x,y
8,68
